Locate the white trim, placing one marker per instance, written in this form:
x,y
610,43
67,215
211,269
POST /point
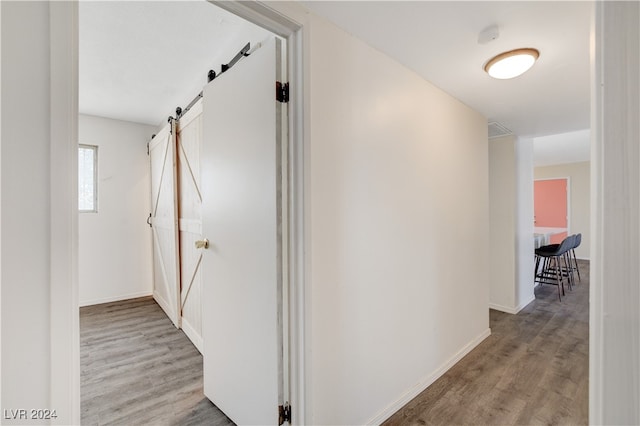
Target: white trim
x,y
262,15
118,298
524,304
596,279
428,380
0,205
285,25
501,308
614,314
192,334
64,314
510,310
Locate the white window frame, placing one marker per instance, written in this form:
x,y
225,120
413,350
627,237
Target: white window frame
x,y
94,148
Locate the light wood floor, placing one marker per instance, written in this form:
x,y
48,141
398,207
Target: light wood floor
x,y
138,369
533,369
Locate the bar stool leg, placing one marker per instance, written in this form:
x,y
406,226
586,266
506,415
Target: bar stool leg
x,y
558,277
568,267
575,261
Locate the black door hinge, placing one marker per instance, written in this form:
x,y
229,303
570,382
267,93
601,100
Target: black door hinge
x,y
284,414
282,92
148,146
149,221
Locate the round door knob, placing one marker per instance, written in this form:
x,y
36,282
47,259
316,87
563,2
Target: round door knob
x,y
202,244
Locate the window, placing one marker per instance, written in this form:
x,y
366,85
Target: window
x,y
88,178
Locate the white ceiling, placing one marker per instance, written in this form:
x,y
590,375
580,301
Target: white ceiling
x,y
139,60
570,147
439,40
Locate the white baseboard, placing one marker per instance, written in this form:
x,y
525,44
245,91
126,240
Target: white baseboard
x,y
192,334
524,304
502,308
428,380
114,298
510,310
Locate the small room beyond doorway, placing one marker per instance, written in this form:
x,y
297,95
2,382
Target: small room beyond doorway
x,y
138,62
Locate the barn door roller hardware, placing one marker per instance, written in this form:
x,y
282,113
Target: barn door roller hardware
x,y
211,75
241,54
152,136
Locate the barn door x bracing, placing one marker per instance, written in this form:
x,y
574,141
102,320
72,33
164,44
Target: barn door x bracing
x,y
242,266
163,220
189,139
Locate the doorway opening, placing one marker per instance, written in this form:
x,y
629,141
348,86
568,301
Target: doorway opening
x,y
137,187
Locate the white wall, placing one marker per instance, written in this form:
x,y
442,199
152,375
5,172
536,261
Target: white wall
x,y
39,325
524,223
511,223
25,206
398,230
115,243
579,198
502,222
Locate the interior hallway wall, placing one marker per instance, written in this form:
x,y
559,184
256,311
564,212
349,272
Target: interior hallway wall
x,y
502,222
26,228
579,198
115,243
511,223
398,201
524,223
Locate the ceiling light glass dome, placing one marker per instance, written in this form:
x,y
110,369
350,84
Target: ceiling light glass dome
x,y
511,64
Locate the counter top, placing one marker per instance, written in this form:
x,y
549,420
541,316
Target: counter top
x,y
548,230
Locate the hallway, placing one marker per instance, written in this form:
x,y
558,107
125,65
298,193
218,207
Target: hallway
x,y
533,369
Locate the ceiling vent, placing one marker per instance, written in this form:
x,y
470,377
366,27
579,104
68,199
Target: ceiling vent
x,y
497,130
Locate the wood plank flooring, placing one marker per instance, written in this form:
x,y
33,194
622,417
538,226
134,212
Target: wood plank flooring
x,y
532,370
138,369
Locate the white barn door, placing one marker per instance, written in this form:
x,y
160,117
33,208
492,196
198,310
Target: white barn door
x,y
240,218
189,138
166,270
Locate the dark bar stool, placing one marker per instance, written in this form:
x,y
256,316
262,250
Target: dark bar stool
x,y
572,255
556,266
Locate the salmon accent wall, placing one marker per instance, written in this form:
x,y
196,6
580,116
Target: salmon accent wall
x,y
579,176
550,205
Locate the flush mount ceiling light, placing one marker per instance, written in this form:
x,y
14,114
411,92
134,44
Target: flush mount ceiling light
x,y
511,64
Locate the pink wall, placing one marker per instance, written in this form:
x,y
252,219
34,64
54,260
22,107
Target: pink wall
x,y
550,205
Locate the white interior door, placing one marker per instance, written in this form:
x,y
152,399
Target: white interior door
x,y
166,269
189,138
242,267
